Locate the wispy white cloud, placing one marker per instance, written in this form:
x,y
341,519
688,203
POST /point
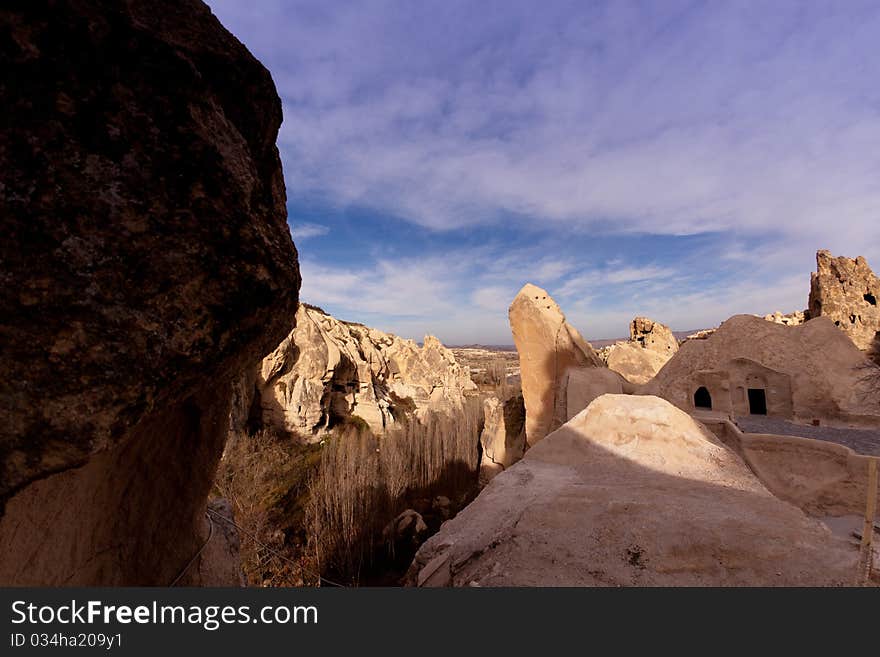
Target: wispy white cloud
x,y
590,279
305,230
403,288
633,274
754,123
671,119
686,309
448,296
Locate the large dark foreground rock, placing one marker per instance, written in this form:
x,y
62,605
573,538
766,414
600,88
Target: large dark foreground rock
x,y
145,260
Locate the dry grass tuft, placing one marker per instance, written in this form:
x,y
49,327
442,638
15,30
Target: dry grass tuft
x,y
264,476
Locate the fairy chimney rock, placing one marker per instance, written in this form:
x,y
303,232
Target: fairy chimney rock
x,y
548,347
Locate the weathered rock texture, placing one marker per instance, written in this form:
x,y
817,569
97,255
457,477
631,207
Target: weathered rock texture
x,y
791,319
806,372
145,261
650,346
846,291
583,385
636,364
632,491
326,371
503,439
652,335
548,347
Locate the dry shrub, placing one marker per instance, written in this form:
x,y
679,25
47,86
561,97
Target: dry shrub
x,y
363,482
493,376
263,475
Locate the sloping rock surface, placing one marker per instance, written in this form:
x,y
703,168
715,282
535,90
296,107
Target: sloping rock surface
x,y
635,363
632,491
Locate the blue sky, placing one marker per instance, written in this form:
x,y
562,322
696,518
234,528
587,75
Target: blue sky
x,y
681,160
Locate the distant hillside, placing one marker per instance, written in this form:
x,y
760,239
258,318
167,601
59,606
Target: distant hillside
x,y
485,347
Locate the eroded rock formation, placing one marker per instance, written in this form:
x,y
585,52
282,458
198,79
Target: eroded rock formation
x,y
652,335
548,347
326,371
145,261
807,372
503,438
790,319
846,291
650,346
632,491
701,335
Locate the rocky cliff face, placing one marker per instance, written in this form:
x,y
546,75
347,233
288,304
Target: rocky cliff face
x,y
145,261
846,291
327,371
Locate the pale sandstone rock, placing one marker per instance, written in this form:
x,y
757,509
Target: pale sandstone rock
x,y
548,347
822,478
791,319
632,491
503,438
328,370
701,335
807,372
652,336
635,363
583,385
146,262
846,291
650,346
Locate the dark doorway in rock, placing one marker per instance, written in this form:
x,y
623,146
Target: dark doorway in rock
x,y
702,398
757,401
